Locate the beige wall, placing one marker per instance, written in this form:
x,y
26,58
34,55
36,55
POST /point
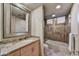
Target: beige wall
x,y
74,25
37,25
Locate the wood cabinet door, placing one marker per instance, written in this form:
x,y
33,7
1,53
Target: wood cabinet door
x,y
31,50
24,51
15,53
35,49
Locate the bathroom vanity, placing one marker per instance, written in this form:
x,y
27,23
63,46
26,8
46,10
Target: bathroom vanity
x,y
16,37
26,47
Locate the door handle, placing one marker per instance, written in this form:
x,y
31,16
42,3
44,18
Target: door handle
x,y
32,49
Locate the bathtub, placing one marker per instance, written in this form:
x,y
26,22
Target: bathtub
x,y
56,48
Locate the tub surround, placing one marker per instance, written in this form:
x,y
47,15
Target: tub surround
x,y
11,46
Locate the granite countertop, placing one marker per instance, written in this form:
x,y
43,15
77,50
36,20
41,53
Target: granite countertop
x,y
8,47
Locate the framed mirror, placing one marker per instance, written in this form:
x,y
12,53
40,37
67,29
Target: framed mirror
x,y
16,20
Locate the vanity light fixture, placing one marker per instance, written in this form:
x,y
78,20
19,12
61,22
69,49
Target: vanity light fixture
x,y
58,6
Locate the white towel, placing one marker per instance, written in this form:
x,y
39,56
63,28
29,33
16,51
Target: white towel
x,y
70,42
45,45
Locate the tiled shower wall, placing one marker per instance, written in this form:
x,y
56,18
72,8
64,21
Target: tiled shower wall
x,y
57,32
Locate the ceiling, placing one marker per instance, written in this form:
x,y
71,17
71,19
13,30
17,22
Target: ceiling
x,y
50,8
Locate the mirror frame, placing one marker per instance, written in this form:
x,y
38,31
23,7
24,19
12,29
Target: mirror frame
x,y
19,5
